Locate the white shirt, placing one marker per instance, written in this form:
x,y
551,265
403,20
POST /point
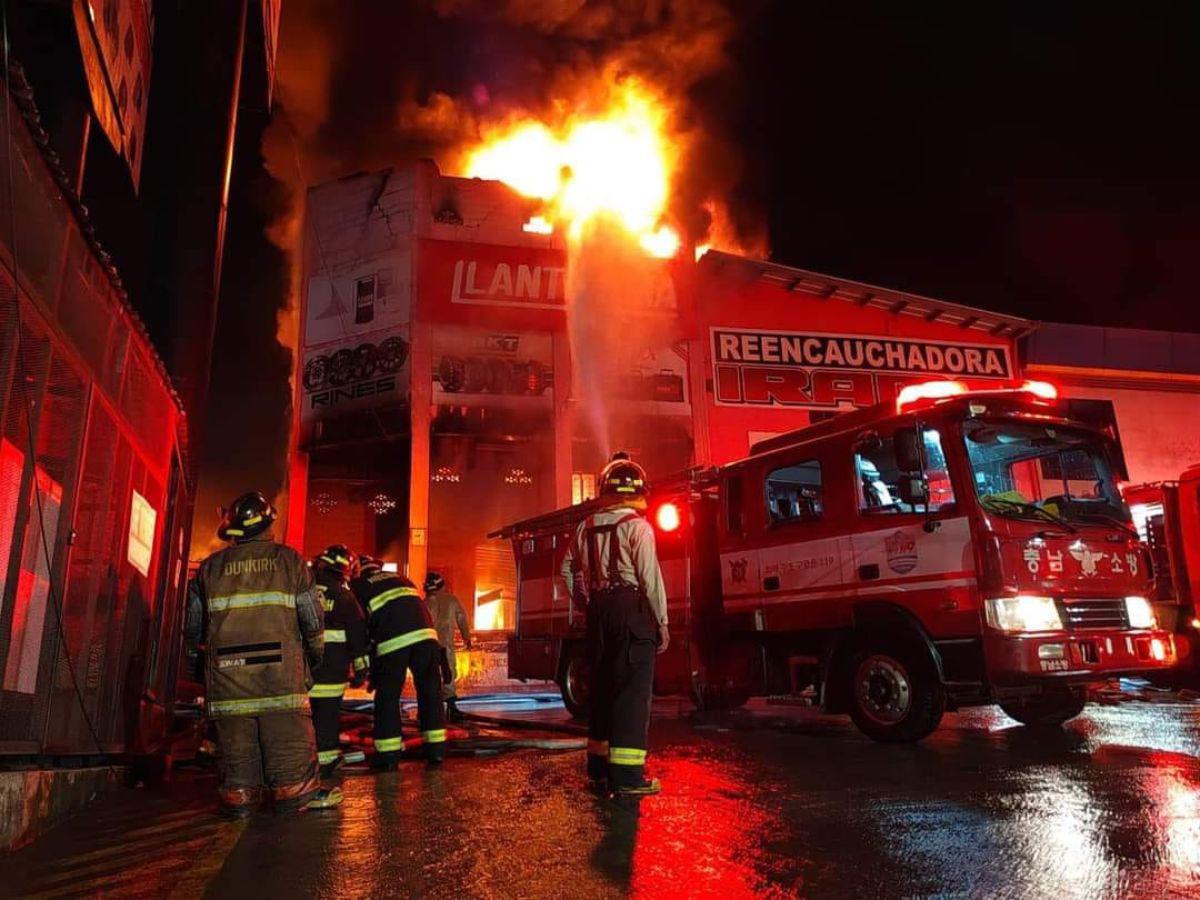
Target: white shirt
x,y
637,558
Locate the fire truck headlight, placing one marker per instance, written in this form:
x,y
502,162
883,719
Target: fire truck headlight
x,y
1141,613
1024,612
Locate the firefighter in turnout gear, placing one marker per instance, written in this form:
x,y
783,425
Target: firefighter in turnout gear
x,y
254,608
345,650
447,612
402,639
612,562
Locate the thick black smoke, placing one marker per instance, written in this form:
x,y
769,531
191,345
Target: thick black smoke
x,y
364,85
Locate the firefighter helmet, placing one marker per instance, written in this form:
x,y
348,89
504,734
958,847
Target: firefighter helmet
x,y
368,565
434,581
336,557
249,515
622,477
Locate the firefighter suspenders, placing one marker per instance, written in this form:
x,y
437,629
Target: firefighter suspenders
x,y
614,556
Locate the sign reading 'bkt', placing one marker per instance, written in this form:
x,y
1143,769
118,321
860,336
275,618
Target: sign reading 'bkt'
x,y
812,370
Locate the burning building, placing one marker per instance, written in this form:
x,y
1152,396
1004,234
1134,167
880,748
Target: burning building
x,y
445,384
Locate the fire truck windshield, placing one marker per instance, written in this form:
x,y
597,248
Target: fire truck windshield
x,y
1047,473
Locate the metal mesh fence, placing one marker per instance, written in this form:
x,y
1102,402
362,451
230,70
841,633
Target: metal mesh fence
x,y
88,441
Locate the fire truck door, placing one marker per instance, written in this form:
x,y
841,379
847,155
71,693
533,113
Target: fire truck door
x,y
919,558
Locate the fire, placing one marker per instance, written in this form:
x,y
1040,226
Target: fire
x,y
618,163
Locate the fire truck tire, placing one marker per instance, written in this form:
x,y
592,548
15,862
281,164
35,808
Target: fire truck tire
x,y
573,682
1046,710
895,693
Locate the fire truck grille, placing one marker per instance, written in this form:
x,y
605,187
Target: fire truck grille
x,y
1084,614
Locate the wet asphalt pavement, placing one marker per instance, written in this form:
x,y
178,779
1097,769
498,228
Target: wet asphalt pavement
x,y
767,802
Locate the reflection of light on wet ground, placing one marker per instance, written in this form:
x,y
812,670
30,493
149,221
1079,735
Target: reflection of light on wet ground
x,y
1183,824
703,837
1057,828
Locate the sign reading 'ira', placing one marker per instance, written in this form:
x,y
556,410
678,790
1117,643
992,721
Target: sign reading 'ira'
x,y
820,371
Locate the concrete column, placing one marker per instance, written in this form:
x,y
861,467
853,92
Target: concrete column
x,y
698,368
564,425
421,404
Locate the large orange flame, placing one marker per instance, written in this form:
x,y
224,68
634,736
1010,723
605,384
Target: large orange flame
x,y
618,163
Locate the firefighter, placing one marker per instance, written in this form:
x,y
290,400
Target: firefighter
x,y
254,607
402,639
447,612
345,651
612,563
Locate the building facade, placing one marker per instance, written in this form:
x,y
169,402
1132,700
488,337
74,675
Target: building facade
x,y
444,389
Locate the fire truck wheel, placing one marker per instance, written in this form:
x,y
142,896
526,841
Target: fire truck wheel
x,y
1046,710
574,683
895,695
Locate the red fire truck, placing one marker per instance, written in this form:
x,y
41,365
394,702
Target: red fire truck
x,y
1167,515
955,548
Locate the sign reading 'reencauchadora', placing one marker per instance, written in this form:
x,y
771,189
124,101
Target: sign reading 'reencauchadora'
x,y
817,370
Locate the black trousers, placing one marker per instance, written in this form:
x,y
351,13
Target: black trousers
x,y
389,672
327,720
622,640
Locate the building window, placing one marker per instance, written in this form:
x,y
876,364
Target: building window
x,y
733,503
583,487
794,493
33,585
142,520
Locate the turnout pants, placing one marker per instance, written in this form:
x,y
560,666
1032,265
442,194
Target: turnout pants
x,y
327,721
622,640
389,673
275,752
325,696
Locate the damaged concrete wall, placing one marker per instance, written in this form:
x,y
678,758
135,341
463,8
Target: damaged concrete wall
x,y
35,800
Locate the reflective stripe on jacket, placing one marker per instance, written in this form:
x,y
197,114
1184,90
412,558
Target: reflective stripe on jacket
x,y
345,628
264,624
396,614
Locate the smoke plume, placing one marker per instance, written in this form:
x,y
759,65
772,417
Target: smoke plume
x,y
364,85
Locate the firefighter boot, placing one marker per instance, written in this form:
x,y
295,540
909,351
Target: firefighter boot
x,y
326,798
645,788
329,768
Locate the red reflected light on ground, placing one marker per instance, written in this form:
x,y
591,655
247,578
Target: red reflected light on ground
x,y
667,517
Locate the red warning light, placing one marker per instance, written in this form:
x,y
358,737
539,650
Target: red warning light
x,y
928,390
1043,390
667,517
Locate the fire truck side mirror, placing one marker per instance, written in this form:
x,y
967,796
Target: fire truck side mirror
x,y
908,450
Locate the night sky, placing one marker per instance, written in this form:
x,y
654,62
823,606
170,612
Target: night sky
x,y
1039,159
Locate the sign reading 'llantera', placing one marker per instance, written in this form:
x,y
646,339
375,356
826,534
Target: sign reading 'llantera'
x,y
814,370
482,282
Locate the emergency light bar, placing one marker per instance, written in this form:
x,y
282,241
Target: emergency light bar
x,y
943,390
1043,390
928,390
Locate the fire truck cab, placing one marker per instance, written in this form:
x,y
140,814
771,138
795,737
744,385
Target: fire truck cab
x,y
1167,515
955,548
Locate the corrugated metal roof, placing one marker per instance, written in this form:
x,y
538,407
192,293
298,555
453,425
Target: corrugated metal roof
x,y
896,302
1123,349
